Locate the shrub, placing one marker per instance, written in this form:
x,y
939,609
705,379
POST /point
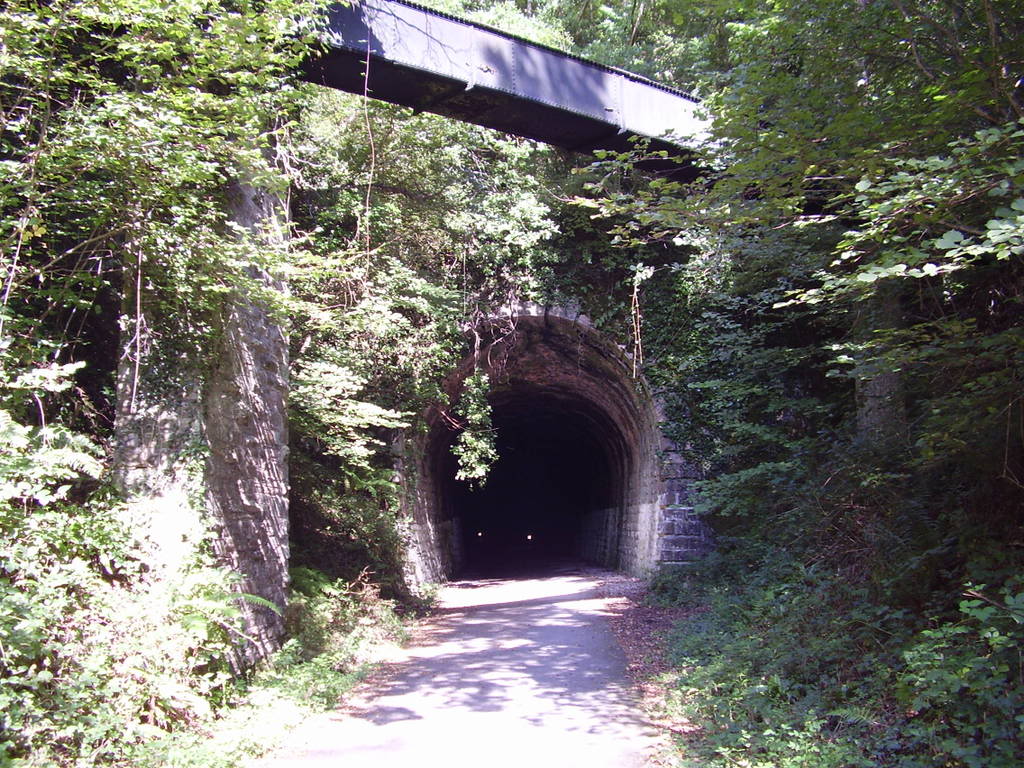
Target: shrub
x,y
962,683
791,666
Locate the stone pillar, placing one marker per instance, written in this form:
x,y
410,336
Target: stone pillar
x,y
201,435
246,429
158,437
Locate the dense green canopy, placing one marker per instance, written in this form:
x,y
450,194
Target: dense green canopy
x,y
831,315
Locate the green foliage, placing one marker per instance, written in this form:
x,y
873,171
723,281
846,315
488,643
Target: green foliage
x,y
833,323
475,446
510,17
913,215
418,228
84,631
861,223
762,665
336,621
324,407
672,585
121,124
342,528
337,630
962,682
782,664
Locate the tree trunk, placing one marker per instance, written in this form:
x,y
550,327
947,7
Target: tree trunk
x,y
881,409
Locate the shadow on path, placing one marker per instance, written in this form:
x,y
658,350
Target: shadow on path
x,y
520,673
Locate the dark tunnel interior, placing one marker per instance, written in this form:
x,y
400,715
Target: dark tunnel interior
x,y
558,476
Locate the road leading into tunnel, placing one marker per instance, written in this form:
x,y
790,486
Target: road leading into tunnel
x,y
521,673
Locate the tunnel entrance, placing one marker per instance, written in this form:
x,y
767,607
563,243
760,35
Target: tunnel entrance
x,y
558,474
580,474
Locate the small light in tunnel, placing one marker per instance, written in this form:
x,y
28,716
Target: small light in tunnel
x,y
529,537
479,533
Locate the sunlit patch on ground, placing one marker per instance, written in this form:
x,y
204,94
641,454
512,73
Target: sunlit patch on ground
x,y
508,673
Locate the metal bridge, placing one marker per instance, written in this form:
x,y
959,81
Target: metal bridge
x,y
406,54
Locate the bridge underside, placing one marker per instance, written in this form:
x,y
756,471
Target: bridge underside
x,y
399,52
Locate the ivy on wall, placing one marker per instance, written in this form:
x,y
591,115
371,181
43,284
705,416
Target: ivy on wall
x,y
121,124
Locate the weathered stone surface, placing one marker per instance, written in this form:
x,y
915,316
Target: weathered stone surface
x,y
200,445
247,432
549,363
599,535
158,439
247,468
685,540
684,535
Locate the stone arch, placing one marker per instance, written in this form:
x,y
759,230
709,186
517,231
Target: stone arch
x,y
584,470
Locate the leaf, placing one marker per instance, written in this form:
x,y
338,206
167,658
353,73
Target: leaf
x,y
950,239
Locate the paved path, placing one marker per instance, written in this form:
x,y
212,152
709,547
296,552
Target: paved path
x,y
511,673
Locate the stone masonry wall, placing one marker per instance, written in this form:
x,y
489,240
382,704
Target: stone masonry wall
x,y
427,549
683,535
246,425
247,468
201,439
599,536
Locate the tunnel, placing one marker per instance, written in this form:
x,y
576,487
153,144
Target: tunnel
x,y
578,479
547,500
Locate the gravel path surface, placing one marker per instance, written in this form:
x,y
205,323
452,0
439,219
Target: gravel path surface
x,y
509,672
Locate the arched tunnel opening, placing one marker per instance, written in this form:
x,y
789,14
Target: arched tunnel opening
x,y
578,477
550,498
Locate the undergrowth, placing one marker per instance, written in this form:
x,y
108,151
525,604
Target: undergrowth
x,y
111,657
788,665
100,665
336,632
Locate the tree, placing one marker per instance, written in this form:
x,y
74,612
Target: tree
x,y
122,124
857,236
